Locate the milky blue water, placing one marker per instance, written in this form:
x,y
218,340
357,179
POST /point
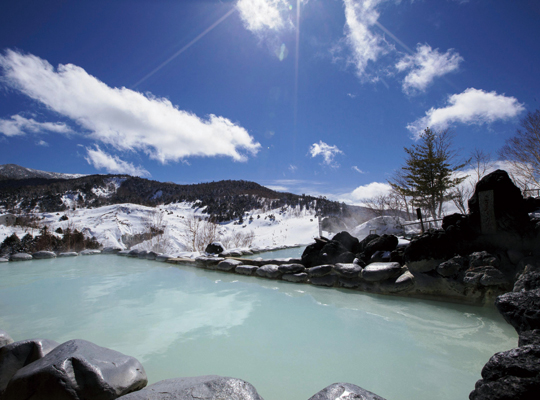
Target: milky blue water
x,y
288,340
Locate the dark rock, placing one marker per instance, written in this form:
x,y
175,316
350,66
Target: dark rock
x,y
382,243
484,276
520,309
69,254
344,391
482,258
529,337
424,265
509,207
510,375
381,271
210,387
208,262
349,283
327,280
452,266
78,370
142,254
380,256
434,244
311,253
111,250
123,253
20,257
39,255
269,271
163,257
345,258
214,248
17,355
458,227
291,268
348,241
330,253
5,338
296,278
133,253
320,270
151,255
348,270
246,269
228,265
404,282
528,281
364,242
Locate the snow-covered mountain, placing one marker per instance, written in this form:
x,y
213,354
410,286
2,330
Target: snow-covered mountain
x,y
14,171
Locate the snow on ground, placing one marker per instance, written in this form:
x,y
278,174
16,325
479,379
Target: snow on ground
x,y
117,225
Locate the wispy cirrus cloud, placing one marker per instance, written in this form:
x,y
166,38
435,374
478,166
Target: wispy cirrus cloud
x,y
472,107
327,152
123,118
355,168
425,65
113,164
17,125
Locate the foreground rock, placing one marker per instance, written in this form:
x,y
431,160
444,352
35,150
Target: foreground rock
x,y
520,309
17,355
210,387
20,257
344,391
510,375
5,338
39,255
78,370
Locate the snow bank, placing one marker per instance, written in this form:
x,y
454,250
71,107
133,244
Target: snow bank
x,y
384,225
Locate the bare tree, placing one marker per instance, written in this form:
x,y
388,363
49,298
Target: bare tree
x,y
522,151
199,232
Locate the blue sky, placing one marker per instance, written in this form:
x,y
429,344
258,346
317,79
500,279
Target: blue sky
x,y
308,96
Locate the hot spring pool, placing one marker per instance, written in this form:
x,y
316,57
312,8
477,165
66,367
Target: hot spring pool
x,y
288,340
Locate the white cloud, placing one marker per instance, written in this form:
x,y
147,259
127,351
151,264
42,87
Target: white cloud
x,y
426,65
112,164
123,118
366,45
473,106
259,15
368,191
18,125
277,188
355,168
293,168
326,151
42,143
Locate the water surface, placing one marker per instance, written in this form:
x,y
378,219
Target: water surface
x,y
288,340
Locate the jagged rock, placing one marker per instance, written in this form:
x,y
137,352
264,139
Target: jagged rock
x,y
151,255
69,254
89,252
344,391
320,270
296,278
364,242
348,270
528,281
458,226
214,248
529,337
5,339
483,258
381,271
17,355
311,253
452,266
326,280
78,370
111,250
520,309
485,276
348,241
246,269
20,257
210,387
510,375
39,255
404,282
142,254
330,253
382,243
291,268
269,271
163,257
508,204
228,265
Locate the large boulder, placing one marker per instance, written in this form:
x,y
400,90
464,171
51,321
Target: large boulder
x,y
348,241
77,370
348,270
17,355
452,267
291,268
210,387
528,281
485,276
301,277
509,208
344,391
39,255
246,269
375,272
228,265
382,243
214,248
510,375
432,245
520,309
269,271
331,252
320,270
311,253
20,257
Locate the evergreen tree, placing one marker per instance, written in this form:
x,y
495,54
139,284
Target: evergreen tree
x,y
427,177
